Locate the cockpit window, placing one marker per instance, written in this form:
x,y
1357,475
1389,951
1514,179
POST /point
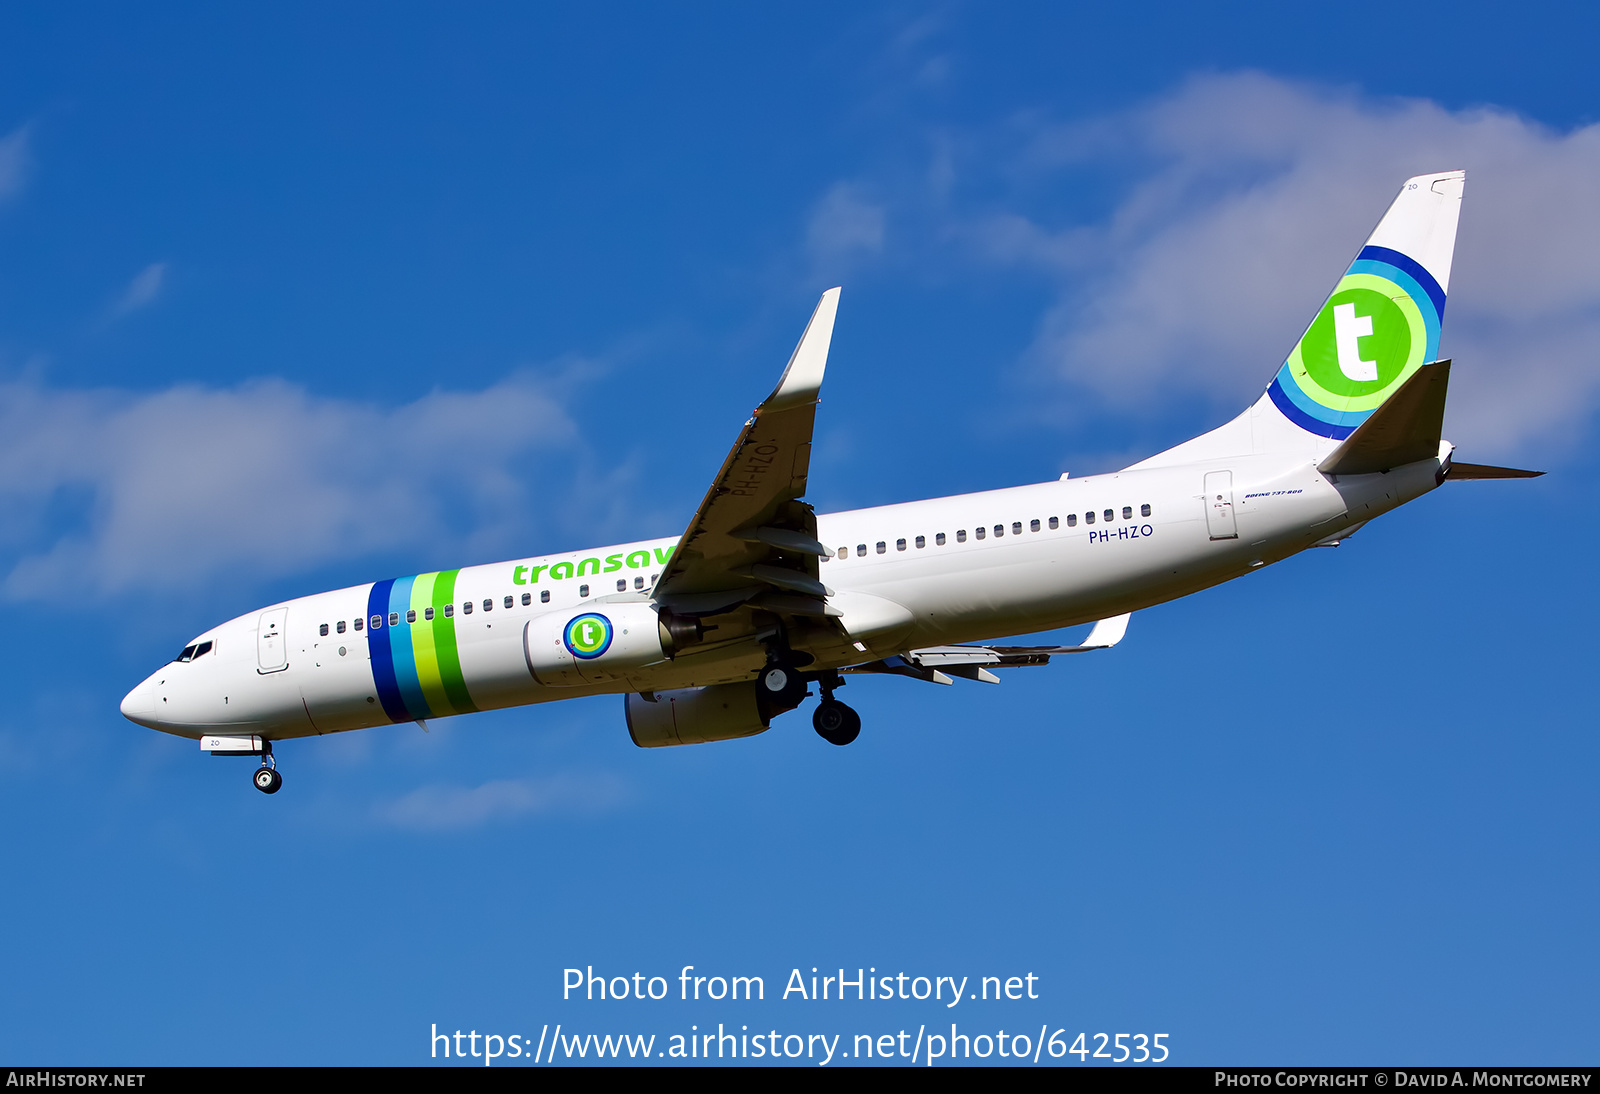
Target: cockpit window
x,y
191,652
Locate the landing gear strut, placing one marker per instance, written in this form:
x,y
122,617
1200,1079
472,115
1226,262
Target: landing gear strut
x,y
835,722
267,779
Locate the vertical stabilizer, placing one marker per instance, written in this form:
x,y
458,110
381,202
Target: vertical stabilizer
x,y
1378,327
1381,323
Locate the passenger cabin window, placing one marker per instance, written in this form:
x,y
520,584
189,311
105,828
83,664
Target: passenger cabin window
x,y
377,621
339,626
844,553
449,611
1055,523
583,590
1033,526
411,615
899,545
861,550
394,619
1144,510
544,596
527,598
638,583
622,587
979,532
509,601
1088,518
961,535
358,626
323,630
427,613
922,541
1110,515
882,546
1016,528
466,609
488,605
1127,512
938,540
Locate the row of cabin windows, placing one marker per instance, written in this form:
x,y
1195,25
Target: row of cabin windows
x,y
1109,515
449,611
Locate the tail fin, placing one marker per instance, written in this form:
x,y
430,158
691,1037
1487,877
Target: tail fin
x,y
1377,328
1381,322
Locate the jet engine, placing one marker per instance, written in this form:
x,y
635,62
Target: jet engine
x,y
599,646
691,716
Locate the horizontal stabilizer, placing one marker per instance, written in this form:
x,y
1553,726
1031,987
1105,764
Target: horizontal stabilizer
x,y
1462,472
1403,430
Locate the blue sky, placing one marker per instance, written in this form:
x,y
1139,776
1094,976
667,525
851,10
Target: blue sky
x,y
299,300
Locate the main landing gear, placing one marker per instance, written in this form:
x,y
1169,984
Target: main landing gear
x,y
835,722
782,687
267,779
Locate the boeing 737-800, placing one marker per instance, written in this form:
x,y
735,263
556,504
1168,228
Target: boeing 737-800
x,y
712,634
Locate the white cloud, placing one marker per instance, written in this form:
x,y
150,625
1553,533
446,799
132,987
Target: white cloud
x,y
844,225
1255,195
452,808
142,290
171,489
1236,201
16,161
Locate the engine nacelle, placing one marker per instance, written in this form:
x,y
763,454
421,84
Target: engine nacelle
x,y
692,716
599,646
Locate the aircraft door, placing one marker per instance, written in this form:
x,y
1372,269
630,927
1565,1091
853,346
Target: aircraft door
x,y
272,652
1219,505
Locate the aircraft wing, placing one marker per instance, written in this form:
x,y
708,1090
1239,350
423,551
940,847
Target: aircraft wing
x,y
753,540
974,662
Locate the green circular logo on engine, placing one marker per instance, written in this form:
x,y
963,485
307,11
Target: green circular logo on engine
x,y
1360,343
588,635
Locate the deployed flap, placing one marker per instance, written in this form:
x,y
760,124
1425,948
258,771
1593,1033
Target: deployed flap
x,y
1403,430
1465,472
752,532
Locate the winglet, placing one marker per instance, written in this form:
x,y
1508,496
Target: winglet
x,y
802,379
1106,633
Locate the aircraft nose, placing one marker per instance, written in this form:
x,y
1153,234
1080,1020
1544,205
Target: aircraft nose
x,y
139,705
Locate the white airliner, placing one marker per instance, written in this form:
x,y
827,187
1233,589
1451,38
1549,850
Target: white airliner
x,y
710,635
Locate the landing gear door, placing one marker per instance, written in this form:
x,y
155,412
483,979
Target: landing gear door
x,y
1219,505
272,652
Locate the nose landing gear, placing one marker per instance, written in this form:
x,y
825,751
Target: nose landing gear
x,y
267,779
835,722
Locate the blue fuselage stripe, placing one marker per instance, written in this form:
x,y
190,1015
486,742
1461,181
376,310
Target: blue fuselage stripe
x,y
382,660
405,659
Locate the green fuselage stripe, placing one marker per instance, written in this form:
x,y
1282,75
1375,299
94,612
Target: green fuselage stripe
x,y
444,645
422,645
